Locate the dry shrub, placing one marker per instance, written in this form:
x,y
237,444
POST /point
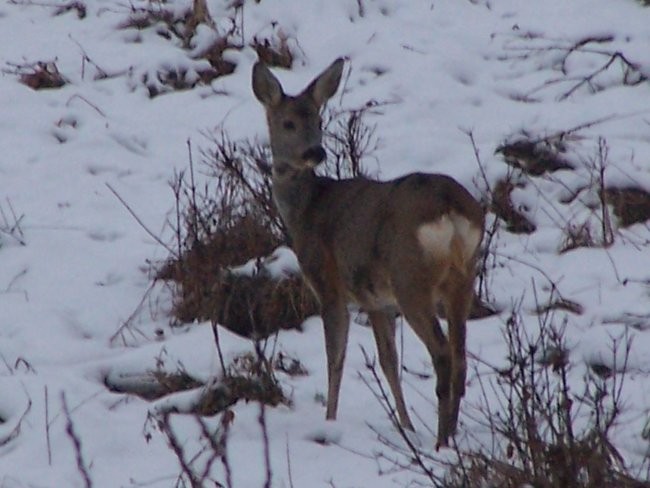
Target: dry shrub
x,y
223,228
630,205
38,76
537,438
349,141
577,236
501,204
259,305
201,274
274,51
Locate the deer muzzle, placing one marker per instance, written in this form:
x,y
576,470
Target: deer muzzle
x,y
314,155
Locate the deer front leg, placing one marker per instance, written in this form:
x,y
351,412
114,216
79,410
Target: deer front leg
x,y
336,324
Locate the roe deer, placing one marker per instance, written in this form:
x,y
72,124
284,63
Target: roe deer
x,y
408,243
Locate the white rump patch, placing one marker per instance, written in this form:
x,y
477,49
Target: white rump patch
x,y
435,237
468,233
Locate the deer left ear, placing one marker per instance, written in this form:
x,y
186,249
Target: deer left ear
x,y
266,87
325,85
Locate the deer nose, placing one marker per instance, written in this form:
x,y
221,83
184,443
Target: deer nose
x,y
314,154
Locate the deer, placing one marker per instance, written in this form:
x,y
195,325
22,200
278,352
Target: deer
x,y
407,245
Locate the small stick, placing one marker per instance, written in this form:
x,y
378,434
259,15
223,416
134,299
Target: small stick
x,y
47,428
139,220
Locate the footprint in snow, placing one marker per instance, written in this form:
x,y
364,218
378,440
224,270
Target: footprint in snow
x,y
101,235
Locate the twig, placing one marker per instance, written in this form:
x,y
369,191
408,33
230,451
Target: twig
x,y
76,442
139,221
289,472
12,228
265,440
16,430
129,321
217,343
84,99
47,428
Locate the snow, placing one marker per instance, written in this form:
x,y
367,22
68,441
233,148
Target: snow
x,y
437,70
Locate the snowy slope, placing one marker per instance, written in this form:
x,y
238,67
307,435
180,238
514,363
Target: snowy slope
x,y
438,69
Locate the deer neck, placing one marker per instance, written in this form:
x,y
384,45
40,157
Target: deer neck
x,y
293,192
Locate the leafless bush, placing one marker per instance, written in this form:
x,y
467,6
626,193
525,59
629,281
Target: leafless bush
x,y
540,429
220,227
196,466
349,141
614,68
544,431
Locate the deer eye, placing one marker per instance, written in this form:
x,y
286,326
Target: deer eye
x,y
289,125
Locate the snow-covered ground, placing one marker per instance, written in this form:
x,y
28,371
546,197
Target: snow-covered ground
x,y
438,70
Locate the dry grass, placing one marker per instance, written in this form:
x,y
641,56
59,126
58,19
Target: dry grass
x,y
39,75
534,157
630,205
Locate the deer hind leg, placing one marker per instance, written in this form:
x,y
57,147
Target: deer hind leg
x,y
383,326
418,306
457,301
336,324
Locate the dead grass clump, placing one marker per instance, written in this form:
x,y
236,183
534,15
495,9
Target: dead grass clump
x,y
201,270
38,76
534,157
221,229
630,205
259,305
214,54
166,22
289,365
502,206
75,5
577,236
250,377
181,25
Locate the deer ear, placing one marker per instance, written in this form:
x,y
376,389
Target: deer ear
x,y
266,87
326,84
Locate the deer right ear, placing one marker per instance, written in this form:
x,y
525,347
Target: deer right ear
x,y
266,87
325,85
